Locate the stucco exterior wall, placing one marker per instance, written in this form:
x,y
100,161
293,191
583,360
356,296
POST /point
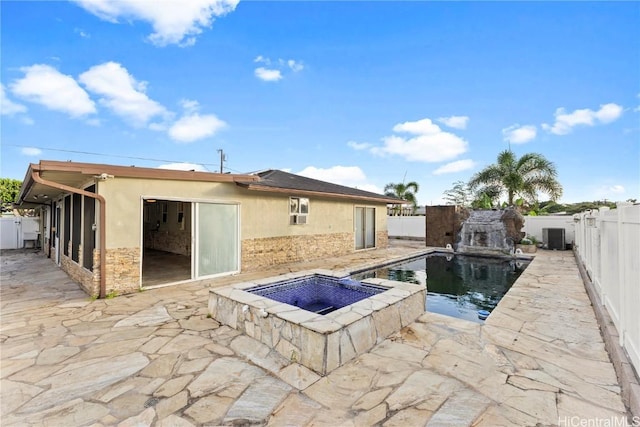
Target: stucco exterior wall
x,y
267,237
262,215
124,202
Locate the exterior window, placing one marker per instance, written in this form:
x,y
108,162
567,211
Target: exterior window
x,y
298,210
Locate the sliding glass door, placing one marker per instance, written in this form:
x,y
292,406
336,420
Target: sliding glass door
x,y
217,239
365,227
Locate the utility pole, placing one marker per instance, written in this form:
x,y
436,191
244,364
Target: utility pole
x,y
223,157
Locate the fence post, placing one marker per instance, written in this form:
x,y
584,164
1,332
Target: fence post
x,y
600,255
622,279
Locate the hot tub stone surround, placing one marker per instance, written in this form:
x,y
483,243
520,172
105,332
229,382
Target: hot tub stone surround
x,y
320,342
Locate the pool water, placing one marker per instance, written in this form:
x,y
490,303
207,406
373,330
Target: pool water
x,y
457,286
318,294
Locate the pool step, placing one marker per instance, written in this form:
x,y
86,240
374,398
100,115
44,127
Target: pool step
x,y
325,310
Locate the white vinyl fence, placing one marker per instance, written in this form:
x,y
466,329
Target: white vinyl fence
x,y
535,226
608,244
407,227
18,232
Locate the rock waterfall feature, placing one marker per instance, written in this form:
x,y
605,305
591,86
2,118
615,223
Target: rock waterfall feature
x,y
491,232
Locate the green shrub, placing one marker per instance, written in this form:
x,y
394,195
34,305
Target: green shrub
x,y
529,240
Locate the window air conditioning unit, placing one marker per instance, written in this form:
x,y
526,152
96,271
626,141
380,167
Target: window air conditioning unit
x,y
298,219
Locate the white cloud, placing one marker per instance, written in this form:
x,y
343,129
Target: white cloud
x,y
81,33
173,21
609,113
606,190
31,151
517,134
268,75
358,145
43,84
349,176
183,167
430,144
121,93
618,189
565,122
419,127
194,126
295,65
457,166
456,122
8,107
190,105
273,70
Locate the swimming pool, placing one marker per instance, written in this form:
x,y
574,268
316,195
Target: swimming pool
x,y
457,286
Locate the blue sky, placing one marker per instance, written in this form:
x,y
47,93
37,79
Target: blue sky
x,y
357,93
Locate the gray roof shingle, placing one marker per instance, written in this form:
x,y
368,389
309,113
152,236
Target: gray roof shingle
x,y
280,181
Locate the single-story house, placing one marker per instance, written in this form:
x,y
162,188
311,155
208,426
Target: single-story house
x,y
119,229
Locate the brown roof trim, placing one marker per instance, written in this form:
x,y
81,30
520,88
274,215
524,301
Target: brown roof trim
x,y
290,191
139,172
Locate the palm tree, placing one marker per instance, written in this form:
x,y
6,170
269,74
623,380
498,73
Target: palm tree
x,y
523,177
403,191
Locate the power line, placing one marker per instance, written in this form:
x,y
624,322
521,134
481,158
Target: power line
x,y
105,155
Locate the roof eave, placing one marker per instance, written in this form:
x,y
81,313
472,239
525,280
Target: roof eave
x,y
27,182
291,191
142,172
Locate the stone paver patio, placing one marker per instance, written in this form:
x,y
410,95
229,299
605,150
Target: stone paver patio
x,y
155,358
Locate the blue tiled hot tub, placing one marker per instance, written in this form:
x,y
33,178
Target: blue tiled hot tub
x,y
318,293
319,319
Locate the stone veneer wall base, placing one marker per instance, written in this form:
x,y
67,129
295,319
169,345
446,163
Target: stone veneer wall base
x,y
123,270
260,253
80,275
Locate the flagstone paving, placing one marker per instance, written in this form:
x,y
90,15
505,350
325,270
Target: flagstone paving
x,y
155,358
